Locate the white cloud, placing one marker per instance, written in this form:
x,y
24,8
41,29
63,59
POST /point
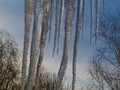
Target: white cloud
x,y
52,65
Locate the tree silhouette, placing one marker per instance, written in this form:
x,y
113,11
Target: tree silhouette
x,y
9,66
105,64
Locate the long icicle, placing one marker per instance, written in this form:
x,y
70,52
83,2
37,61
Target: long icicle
x,y
56,27
97,18
61,15
83,16
34,46
92,20
69,17
50,20
28,18
79,23
104,6
43,41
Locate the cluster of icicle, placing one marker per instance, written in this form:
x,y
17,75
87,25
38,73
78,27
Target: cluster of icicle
x,y
64,12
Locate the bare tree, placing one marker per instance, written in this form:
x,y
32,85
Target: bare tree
x,y
105,64
8,62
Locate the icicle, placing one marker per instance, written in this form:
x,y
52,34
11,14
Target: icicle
x,y
28,18
83,16
92,20
97,18
60,22
50,22
69,17
43,41
34,45
56,27
104,6
79,24
41,15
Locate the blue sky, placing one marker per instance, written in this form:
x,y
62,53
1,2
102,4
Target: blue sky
x,y
12,20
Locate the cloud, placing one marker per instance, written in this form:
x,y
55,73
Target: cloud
x,y
52,65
